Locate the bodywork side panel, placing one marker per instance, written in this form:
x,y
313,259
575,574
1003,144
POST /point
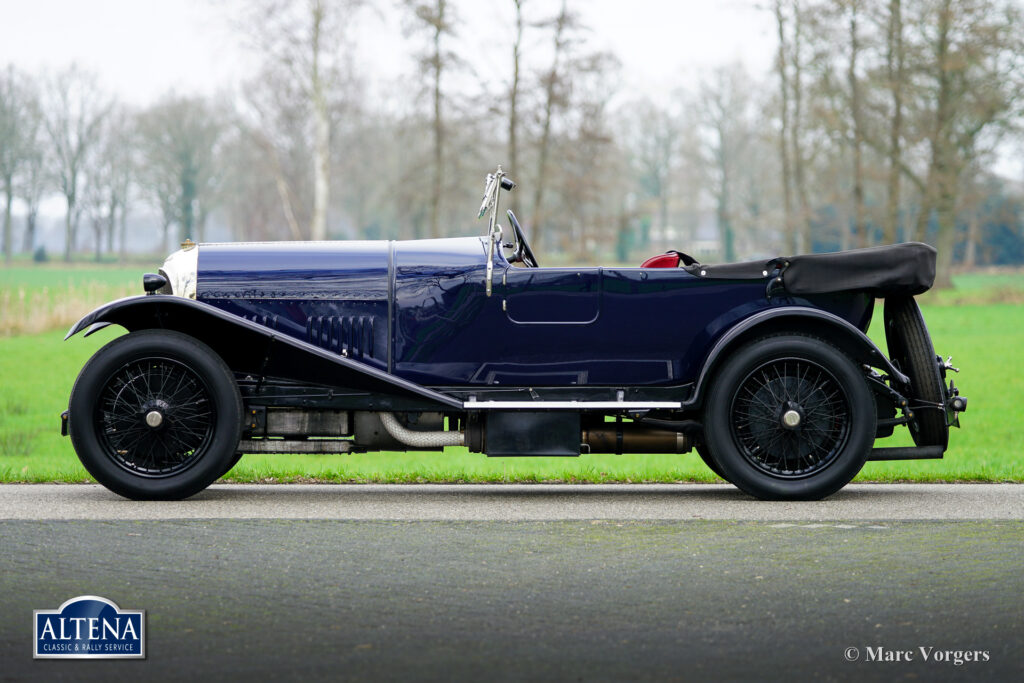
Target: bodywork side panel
x,y
332,295
253,349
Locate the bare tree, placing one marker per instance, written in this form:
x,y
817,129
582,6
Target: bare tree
x,y
895,59
782,65
725,105
115,167
35,182
19,117
554,99
308,43
796,141
857,129
178,140
513,96
654,141
74,112
435,18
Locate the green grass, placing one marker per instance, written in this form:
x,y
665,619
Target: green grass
x,y
37,371
59,275
47,297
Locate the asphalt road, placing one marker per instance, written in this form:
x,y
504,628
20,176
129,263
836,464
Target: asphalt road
x,y
518,503
517,598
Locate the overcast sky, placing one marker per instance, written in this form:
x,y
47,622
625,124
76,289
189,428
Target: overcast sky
x,y
143,48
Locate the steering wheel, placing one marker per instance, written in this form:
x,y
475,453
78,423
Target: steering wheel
x,y
522,252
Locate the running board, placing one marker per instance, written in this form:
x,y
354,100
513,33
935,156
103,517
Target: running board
x,y
907,453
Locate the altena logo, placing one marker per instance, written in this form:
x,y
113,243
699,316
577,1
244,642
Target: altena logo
x,y
89,627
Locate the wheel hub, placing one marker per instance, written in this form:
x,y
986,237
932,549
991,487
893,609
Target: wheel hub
x,y
154,413
791,418
792,415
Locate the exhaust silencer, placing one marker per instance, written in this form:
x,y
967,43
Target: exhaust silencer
x,y
633,437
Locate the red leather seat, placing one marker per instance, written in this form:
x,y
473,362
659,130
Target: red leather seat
x,y
669,260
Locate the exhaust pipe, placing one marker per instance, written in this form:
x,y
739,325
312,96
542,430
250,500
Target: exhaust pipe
x,y
416,439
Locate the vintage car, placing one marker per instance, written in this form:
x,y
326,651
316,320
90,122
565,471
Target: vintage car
x,y
763,368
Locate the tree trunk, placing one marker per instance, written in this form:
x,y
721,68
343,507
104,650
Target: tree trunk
x,y
725,228
8,200
29,240
435,197
859,212
186,208
321,136
945,213
895,72
513,113
111,224
942,176
924,213
537,219
69,228
973,233
803,219
789,229
97,232
662,217
123,236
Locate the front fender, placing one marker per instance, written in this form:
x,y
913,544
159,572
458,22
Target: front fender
x,y
250,348
794,319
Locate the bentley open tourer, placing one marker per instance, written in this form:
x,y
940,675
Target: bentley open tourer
x,y
763,367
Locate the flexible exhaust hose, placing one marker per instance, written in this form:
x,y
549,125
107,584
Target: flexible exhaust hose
x,y
420,439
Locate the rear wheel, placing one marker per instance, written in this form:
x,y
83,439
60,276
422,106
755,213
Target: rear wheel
x,y
910,347
155,415
790,417
705,455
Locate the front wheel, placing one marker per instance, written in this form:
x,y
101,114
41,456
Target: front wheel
x,y
790,417
155,415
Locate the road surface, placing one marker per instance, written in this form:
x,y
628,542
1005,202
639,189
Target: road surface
x,y
526,583
517,502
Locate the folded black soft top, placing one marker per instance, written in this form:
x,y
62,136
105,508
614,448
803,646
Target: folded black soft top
x,y
895,270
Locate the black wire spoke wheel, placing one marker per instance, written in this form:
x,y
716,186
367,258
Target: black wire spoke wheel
x,y
790,418
155,417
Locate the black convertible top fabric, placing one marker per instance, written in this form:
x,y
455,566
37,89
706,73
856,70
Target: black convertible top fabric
x,y
897,270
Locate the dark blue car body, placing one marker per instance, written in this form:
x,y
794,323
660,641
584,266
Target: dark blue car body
x,y
418,310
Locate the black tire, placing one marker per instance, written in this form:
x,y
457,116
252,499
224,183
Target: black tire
x,y
705,455
831,436
186,385
910,347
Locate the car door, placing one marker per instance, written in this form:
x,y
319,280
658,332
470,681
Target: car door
x,y
551,296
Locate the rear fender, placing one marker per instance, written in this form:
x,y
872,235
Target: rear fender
x,y
251,348
786,319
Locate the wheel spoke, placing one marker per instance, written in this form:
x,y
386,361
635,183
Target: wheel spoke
x,y
790,450
170,388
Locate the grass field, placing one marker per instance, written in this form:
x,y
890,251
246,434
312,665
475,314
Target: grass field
x,y
37,371
45,297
